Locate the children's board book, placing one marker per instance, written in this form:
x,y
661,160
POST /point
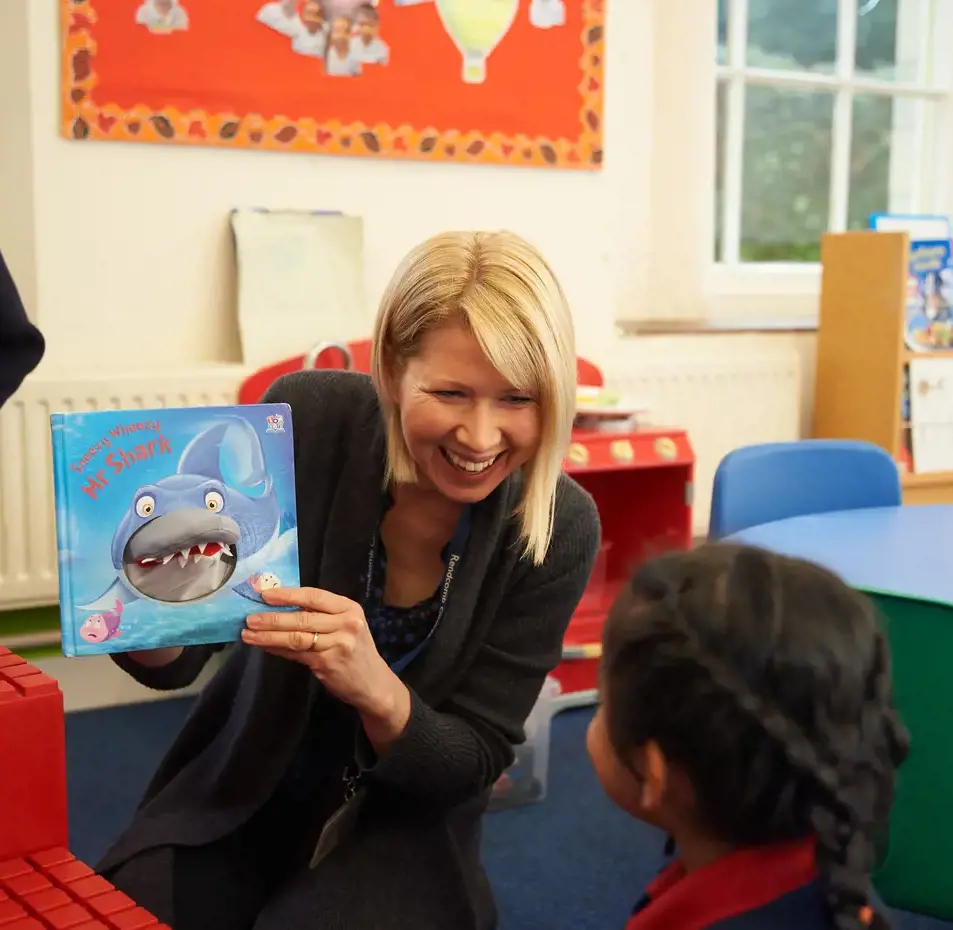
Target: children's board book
x,y
170,523
929,320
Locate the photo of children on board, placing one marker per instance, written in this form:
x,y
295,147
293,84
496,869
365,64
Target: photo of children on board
x,y
312,38
344,34
162,16
546,14
282,16
366,43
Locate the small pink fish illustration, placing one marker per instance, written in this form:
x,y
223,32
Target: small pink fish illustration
x,y
102,626
264,581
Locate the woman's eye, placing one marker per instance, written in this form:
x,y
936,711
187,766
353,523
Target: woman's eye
x,y
519,399
448,394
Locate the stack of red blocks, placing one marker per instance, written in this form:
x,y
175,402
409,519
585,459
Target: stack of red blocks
x,y
43,886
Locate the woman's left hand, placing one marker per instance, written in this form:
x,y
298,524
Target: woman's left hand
x,y
330,635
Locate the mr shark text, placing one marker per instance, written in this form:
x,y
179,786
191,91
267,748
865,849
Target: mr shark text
x,y
117,432
122,459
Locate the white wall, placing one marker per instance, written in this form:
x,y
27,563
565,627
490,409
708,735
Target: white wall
x,y
133,256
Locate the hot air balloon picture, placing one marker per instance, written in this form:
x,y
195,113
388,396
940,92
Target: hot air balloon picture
x,y
476,27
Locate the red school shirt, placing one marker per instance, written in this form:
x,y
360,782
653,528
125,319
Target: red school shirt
x,y
742,881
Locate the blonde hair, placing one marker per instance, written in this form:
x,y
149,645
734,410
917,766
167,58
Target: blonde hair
x,y
509,298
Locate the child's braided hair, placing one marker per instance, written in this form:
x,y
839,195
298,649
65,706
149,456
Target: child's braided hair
x,y
767,680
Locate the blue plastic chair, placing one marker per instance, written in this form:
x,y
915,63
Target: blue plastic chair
x,y
761,483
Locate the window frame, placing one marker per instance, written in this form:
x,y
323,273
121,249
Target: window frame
x,y
687,284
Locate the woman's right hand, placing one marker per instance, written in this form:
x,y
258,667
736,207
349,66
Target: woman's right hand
x,y
156,658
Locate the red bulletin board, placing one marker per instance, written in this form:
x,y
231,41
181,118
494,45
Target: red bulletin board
x,y
391,78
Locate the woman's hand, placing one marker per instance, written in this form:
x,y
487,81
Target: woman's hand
x,y
330,635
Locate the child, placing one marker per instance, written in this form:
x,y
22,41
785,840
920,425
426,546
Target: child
x,y
313,38
338,59
747,711
367,46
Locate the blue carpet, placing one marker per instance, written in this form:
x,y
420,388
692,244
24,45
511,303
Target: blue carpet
x,y
571,861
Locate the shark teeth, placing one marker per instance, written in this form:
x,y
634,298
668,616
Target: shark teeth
x,y
213,551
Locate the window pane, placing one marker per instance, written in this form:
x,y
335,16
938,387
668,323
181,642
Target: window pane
x,y
787,173
869,159
886,132
792,35
892,38
720,111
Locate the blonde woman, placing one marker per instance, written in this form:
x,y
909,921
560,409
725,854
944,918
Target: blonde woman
x,y
335,771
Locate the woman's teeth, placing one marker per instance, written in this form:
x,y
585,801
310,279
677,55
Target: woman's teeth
x,y
467,465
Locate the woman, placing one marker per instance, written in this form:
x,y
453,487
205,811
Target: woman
x,y
335,771
21,343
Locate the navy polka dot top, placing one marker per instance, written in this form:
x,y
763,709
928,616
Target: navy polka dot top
x,y
396,630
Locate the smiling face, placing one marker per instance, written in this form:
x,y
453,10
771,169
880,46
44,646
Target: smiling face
x,y
465,426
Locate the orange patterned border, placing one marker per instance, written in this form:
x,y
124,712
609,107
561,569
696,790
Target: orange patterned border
x,y
83,118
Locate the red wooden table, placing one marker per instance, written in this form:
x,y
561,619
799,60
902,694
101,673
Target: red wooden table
x,y
641,482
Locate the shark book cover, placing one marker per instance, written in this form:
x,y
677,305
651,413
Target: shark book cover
x,y
170,523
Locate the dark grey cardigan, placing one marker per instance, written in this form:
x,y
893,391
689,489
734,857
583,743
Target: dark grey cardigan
x,y
472,689
21,343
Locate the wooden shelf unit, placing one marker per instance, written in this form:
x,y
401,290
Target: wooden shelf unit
x,y
861,353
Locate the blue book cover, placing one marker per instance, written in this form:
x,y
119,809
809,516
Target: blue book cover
x,y
929,318
170,523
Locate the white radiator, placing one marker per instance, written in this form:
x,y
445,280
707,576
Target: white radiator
x,y
28,576
723,403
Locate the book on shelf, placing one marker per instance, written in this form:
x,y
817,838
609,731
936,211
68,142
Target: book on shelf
x,y
928,320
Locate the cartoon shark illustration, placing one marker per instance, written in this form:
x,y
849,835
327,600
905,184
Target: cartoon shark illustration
x,y
100,627
187,535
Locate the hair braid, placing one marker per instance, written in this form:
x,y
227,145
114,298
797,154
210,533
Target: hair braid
x,y
839,797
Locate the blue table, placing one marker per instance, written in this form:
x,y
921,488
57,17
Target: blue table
x,y
903,558
899,551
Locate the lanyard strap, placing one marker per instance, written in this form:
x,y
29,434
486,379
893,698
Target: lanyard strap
x,y
454,553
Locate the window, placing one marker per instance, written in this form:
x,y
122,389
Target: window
x,y
826,111
771,122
